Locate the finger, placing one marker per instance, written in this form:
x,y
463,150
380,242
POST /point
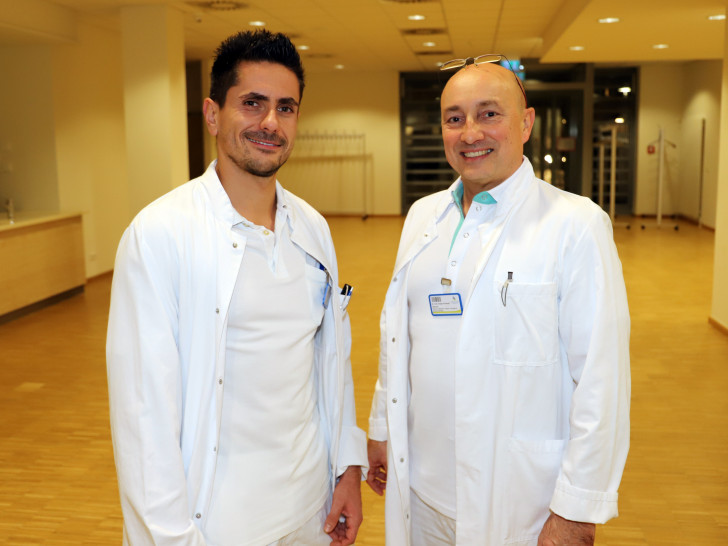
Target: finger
x,y
332,521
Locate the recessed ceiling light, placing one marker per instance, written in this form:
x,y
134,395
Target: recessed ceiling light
x,y
660,46
416,17
339,67
609,20
303,47
619,120
577,48
257,23
625,90
429,44
718,17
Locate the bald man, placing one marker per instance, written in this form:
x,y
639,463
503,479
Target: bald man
x,y
501,411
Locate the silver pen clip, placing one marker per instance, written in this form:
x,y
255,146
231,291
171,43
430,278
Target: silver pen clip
x,y
504,289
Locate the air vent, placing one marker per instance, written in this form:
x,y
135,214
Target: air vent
x,y
423,31
446,54
219,5
316,55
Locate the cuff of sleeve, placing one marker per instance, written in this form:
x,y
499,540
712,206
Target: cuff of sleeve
x,y
584,505
378,430
352,450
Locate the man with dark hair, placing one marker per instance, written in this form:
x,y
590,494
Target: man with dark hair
x,y
230,389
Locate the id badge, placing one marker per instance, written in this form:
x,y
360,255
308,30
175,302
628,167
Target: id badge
x,y
445,305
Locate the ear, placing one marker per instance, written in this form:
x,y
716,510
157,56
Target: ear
x,y
529,116
211,111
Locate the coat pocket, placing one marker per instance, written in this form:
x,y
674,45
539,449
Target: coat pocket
x,y
533,468
525,324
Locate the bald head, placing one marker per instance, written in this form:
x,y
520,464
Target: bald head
x,y
493,74
485,123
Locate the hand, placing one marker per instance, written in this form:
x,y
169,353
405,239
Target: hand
x,y
558,531
347,504
377,475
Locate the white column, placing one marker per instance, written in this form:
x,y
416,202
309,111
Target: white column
x,y
155,106
719,310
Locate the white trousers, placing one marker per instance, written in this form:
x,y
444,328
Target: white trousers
x,y
430,527
310,533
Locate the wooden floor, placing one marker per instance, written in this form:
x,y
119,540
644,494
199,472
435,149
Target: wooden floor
x,y
57,482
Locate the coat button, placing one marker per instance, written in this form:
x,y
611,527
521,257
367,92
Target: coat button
x,y
393,340
394,400
217,310
219,381
198,515
235,245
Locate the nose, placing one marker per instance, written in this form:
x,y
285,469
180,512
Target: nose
x,y
270,120
471,132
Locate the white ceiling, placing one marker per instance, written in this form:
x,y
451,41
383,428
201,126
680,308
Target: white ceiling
x,y
377,34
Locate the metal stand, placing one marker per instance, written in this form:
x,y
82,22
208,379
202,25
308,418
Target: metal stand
x,y
326,147
660,175
612,143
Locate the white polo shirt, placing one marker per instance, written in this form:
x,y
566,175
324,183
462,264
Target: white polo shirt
x,y
433,340
273,471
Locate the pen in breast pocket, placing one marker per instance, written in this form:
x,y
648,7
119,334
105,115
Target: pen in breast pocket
x,y
504,289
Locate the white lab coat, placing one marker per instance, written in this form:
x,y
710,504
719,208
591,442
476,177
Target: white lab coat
x,y
542,384
175,270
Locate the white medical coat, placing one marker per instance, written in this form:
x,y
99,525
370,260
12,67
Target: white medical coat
x,y
173,281
542,383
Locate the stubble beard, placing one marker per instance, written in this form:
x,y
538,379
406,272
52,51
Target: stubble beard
x,y
256,168
259,168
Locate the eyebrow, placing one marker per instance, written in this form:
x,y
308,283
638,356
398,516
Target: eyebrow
x,y
254,95
481,104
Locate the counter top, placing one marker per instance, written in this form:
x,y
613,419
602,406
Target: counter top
x,y
27,219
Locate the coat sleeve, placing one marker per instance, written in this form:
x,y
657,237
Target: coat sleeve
x,y
378,414
352,440
144,379
352,443
594,328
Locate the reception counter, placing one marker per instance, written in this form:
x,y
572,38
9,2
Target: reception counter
x,y
41,256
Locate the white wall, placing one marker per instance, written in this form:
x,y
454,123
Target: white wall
x,y
677,97
702,102
27,134
90,145
334,174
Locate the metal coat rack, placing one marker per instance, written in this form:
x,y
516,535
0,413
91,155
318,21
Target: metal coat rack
x,y
661,142
327,146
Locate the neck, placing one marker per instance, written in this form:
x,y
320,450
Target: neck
x,y
254,197
470,190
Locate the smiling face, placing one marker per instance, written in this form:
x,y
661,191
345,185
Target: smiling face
x,y
484,125
256,127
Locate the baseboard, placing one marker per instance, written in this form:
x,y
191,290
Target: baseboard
x,y
12,315
722,328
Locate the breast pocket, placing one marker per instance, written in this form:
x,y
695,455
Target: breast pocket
x,y
526,324
317,281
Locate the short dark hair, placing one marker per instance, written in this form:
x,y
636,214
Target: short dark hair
x,y
252,46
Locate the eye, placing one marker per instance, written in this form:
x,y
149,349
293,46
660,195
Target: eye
x,y
488,114
250,103
453,120
287,109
